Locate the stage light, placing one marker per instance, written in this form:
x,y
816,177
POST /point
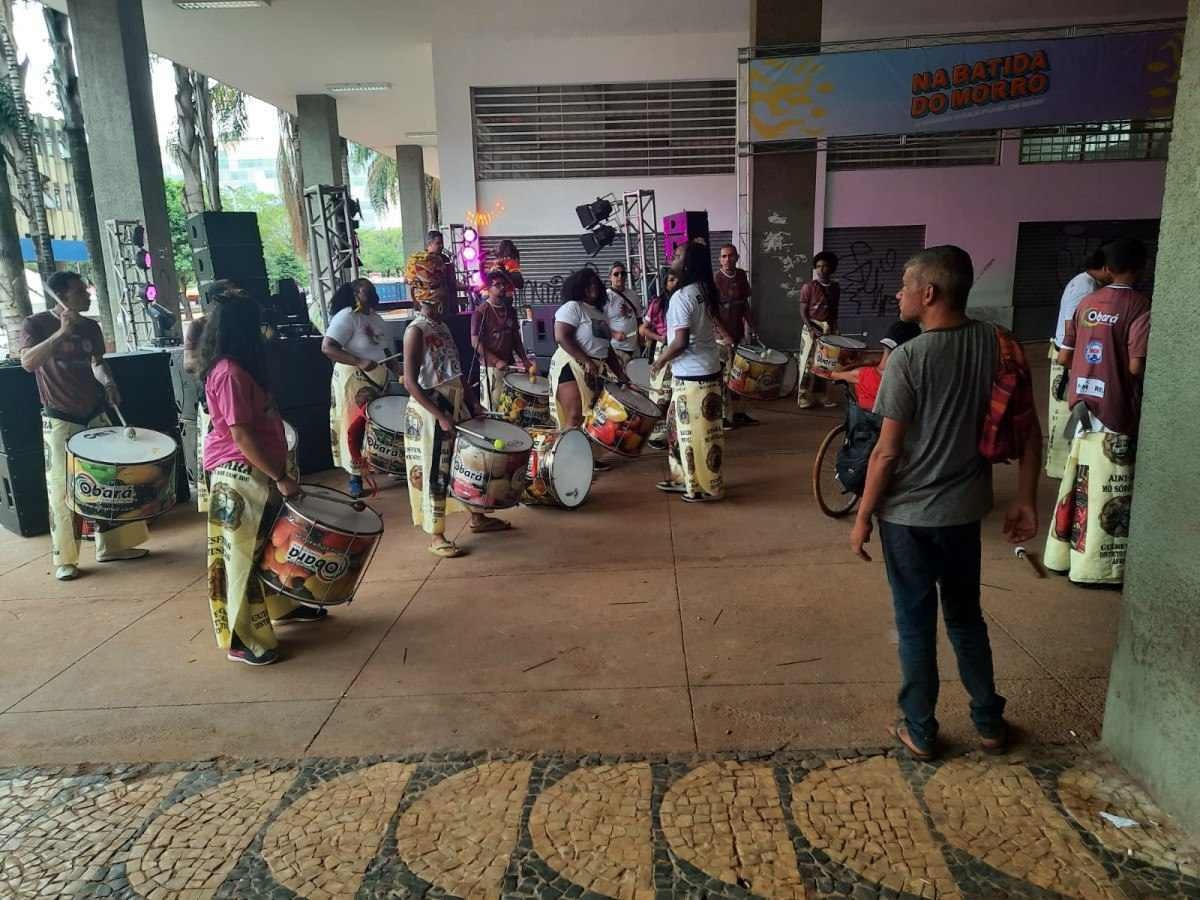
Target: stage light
x,y
149,293
592,214
599,238
144,260
470,235
470,254
138,236
477,279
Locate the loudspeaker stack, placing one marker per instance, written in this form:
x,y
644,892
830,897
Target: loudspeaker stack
x,y
682,227
24,509
300,378
228,245
147,383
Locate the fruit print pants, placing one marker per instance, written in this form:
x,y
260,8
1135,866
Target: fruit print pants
x,y
64,524
240,515
427,454
695,439
1089,533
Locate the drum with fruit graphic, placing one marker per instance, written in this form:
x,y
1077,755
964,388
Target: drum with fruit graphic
x,y
621,420
525,401
491,460
118,474
320,546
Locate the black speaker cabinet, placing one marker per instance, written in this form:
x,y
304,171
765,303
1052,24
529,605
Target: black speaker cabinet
x,y
214,229
313,452
20,410
239,262
258,288
300,372
147,391
24,509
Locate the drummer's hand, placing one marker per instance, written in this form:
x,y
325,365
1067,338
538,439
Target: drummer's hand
x,y
591,368
67,318
368,365
531,368
288,486
447,423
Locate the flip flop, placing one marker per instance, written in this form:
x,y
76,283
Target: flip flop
x,y
491,525
900,732
448,550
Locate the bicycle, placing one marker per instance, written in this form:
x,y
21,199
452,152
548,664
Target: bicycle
x,y
833,499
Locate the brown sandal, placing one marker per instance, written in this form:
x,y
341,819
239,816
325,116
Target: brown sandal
x,y
491,525
899,731
446,550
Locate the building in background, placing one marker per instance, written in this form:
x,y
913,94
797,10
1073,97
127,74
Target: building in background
x,y
62,206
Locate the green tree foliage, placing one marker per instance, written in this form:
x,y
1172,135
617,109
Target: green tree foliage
x,y
184,271
275,229
381,250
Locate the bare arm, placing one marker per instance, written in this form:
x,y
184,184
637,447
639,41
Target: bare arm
x,y
414,355
33,358
884,457
337,353
1021,520
103,374
1137,366
1064,357
678,344
564,334
615,365
650,334
274,469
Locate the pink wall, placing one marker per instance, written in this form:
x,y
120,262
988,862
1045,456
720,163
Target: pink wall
x,y
980,207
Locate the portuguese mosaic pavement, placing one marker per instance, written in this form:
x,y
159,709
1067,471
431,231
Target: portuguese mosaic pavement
x,y
860,824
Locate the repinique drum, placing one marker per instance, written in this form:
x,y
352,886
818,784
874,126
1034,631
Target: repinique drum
x,y
115,477
490,464
835,352
560,468
756,373
525,401
621,420
320,547
638,370
292,439
383,442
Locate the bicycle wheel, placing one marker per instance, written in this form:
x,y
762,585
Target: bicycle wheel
x,y
834,501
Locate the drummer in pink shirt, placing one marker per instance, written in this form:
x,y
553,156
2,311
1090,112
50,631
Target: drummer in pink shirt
x,y
245,457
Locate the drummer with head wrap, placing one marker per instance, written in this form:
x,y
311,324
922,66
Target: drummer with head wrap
x,y
65,352
245,455
496,337
433,376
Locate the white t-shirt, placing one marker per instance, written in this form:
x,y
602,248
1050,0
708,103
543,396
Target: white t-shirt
x,y
623,312
363,334
591,327
1077,288
701,356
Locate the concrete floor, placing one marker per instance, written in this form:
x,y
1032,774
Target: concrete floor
x,y
636,623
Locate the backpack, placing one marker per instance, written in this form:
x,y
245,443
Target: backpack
x,y
1011,415
862,433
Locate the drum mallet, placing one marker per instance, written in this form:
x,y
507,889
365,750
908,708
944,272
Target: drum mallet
x,y
498,443
1034,562
130,433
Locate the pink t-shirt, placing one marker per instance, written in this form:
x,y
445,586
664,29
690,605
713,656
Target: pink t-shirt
x,y
235,398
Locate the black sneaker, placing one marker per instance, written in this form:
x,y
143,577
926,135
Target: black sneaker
x,y
656,445
243,655
727,425
671,487
303,614
699,498
740,419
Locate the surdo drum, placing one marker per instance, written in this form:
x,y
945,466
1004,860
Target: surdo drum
x,y
384,438
490,464
119,474
291,439
638,370
621,420
835,352
321,544
525,401
560,468
757,373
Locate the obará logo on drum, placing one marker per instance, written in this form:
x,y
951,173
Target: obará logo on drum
x,y
115,495
326,567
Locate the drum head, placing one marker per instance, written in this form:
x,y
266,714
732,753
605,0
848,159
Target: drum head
x,y
112,445
289,435
516,440
321,505
846,343
636,401
526,385
571,468
638,371
762,354
388,412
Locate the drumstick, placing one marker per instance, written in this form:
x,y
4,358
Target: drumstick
x,y
1034,564
129,432
498,443
390,358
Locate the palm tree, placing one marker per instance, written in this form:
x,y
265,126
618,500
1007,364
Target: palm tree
x,y
57,26
291,180
220,119
382,187
20,128
184,144
14,294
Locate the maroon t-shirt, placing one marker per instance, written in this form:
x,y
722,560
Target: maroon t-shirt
x,y
65,382
1110,327
735,302
820,301
497,330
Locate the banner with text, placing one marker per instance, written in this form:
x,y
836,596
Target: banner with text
x,y
961,87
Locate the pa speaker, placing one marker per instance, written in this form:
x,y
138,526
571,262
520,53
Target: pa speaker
x,y
20,409
238,262
258,288
219,229
24,509
300,373
681,228
313,450
147,390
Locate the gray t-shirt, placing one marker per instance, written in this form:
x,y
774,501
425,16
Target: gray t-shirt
x,y
940,385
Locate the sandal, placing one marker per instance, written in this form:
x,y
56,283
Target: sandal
x,y
491,525
671,487
446,550
900,732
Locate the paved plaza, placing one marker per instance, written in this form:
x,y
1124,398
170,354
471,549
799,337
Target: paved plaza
x,y
637,698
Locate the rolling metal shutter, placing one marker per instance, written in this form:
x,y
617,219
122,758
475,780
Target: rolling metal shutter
x,y
1049,254
870,266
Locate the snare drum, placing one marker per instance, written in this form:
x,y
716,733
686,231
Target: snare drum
x,y
756,373
292,439
525,401
835,352
560,468
320,547
384,439
638,370
622,419
113,477
484,476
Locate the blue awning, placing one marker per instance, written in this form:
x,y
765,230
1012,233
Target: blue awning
x,y
64,251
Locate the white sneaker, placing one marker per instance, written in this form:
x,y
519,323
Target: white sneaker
x,y
66,573
119,555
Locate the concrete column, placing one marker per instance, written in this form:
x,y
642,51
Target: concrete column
x,y
783,192
118,110
1152,720
320,142
410,173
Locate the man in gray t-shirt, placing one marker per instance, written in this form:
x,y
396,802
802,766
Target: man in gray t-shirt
x,y
930,487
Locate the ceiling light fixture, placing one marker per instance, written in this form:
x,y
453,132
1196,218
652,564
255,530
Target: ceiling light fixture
x,y
359,87
221,4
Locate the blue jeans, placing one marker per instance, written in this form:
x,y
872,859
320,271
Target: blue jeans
x,y
919,562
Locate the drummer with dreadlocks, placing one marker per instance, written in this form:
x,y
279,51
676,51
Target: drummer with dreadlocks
x,y
433,376
65,352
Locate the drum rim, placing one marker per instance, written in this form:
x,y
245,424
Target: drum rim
x,y
833,339
641,394
377,424
288,504
550,457
755,352
118,428
483,445
521,390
